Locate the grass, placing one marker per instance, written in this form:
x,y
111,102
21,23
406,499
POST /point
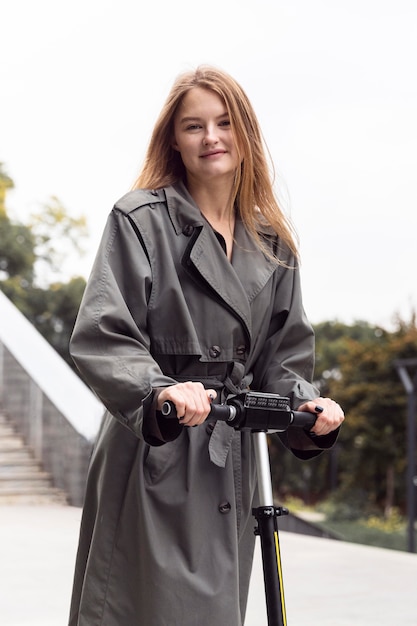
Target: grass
x,y
371,530
359,531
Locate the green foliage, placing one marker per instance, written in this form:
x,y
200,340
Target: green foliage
x,y
42,246
373,438
332,341
17,250
358,531
394,522
5,184
349,505
365,471
57,236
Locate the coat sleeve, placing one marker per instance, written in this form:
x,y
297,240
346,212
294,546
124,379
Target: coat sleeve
x,y
286,366
110,344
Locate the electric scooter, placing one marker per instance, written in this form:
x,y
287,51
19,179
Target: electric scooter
x,y
262,413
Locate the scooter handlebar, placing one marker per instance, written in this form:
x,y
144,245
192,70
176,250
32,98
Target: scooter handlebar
x,y
254,411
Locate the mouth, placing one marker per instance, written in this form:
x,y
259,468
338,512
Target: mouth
x,y
212,153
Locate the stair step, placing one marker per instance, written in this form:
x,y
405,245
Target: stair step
x,y
32,485
27,487
6,426
12,443
10,439
18,455
22,476
28,497
18,467
22,479
7,431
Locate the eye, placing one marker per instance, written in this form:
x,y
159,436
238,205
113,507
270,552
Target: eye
x,y
193,126
225,123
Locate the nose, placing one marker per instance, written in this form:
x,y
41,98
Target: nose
x,y
210,135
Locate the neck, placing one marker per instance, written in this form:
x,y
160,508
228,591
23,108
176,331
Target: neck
x,y
213,199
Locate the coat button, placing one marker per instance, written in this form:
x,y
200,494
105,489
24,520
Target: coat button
x,y
188,230
225,507
240,350
215,351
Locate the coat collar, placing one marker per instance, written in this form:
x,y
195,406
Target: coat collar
x,y
182,209
236,283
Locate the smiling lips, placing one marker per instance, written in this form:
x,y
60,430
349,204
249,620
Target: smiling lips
x,y
212,153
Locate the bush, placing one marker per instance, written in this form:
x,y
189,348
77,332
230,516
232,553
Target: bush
x,y
350,506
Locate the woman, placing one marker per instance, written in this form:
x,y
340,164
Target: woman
x,y
194,295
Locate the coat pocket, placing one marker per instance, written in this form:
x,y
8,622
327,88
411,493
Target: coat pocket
x,y
161,461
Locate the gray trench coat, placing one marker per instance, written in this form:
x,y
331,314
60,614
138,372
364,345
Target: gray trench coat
x,y
167,531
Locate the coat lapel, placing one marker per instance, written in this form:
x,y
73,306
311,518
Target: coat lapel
x,y
209,259
236,283
251,265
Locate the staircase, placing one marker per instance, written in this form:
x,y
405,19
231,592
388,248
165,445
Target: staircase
x,y
22,479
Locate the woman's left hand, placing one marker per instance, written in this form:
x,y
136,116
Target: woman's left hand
x,y
329,415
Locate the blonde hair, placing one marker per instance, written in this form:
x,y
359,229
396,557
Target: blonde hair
x,y
252,191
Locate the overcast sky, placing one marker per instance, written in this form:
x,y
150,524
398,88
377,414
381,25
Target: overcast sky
x,y
333,83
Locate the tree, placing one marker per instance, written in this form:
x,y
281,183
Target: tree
x,y
31,261
58,237
17,250
5,184
332,342
373,438
318,477
355,365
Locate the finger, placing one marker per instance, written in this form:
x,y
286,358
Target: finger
x,y
313,406
183,396
197,404
329,420
211,394
202,408
191,410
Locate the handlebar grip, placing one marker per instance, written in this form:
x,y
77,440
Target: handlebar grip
x,y
303,419
168,409
218,412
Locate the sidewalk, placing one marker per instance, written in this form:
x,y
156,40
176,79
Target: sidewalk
x,y
327,583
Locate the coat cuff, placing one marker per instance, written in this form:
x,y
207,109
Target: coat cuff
x,y
157,429
305,445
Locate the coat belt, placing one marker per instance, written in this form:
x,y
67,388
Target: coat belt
x,y
222,435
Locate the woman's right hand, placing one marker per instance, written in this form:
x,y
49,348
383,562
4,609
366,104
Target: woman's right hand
x,y
192,401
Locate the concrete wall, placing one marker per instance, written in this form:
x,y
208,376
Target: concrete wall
x,y
56,414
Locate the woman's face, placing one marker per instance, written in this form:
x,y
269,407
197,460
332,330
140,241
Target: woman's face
x,y
203,137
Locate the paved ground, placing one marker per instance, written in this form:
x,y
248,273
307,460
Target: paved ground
x,y
327,583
